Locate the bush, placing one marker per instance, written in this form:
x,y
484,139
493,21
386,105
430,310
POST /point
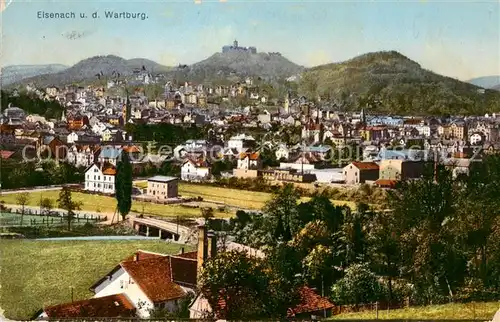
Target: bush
x,y
358,286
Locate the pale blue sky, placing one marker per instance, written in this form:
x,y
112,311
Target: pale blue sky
x,y
457,39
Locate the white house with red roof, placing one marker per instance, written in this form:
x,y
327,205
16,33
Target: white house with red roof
x,y
150,281
195,170
100,178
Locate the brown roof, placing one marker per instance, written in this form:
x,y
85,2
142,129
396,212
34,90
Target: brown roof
x,y
109,171
310,301
117,305
131,149
365,165
251,156
6,154
386,183
154,278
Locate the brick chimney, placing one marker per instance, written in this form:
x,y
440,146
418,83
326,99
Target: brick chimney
x,y
136,257
202,246
212,244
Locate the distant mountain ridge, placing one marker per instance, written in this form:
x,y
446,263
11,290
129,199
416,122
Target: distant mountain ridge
x,y
242,64
486,81
219,66
390,82
15,73
87,69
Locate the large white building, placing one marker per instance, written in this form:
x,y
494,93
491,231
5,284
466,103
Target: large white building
x,y
99,178
240,142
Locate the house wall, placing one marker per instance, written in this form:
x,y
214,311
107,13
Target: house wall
x,y
163,190
390,169
95,180
190,172
245,173
199,308
121,282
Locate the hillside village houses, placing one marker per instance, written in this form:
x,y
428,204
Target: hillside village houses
x,y
92,129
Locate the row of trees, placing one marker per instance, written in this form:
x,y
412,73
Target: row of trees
x,y
32,174
439,243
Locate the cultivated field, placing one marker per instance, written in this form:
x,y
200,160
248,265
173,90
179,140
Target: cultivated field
x,y
104,204
480,310
38,273
231,197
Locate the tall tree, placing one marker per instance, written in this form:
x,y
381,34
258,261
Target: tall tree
x,y
123,185
22,200
65,201
46,204
282,212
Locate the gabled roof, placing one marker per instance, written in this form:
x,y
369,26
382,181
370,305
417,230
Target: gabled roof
x,y
110,152
117,305
155,278
310,301
251,156
365,165
6,154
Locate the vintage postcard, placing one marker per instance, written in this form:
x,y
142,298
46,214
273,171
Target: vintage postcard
x,y
249,160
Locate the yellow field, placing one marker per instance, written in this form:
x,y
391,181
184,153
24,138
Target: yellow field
x,y
478,310
103,204
236,198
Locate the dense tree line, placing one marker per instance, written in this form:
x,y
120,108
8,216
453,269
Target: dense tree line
x,y
32,174
164,133
438,243
31,104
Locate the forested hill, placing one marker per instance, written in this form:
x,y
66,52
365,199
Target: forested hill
x,y
32,104
389,82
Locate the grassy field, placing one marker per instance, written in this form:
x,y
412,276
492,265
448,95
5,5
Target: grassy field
x,y
38,273
480,310
104,204
232,197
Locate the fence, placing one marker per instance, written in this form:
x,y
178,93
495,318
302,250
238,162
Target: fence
x,y
36,218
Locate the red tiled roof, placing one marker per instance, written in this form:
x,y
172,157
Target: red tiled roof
x,y
252,156
109,171
365,165
154,278
310,301
6,154
117,305
386,183
131,149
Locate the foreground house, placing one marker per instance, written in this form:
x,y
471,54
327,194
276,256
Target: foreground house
x,y
149,281
116,305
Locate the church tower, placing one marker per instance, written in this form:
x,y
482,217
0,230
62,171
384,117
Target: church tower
x,y
287,103
63,116
127,110
235,43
